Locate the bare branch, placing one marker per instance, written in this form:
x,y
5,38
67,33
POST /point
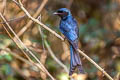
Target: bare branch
x,y
16,42
22,59
35,16
44,41
41,33
37,21
54,57
95,64
44,54
27,50
14,19
30,22
19,57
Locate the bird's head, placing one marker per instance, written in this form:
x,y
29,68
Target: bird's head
x,y
63,13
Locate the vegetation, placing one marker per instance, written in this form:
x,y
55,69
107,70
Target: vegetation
x,y
22,55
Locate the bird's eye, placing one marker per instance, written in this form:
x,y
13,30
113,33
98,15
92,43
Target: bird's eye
x,y
60,11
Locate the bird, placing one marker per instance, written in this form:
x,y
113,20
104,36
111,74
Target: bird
x,y
69,28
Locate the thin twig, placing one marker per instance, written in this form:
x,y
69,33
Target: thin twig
x,y
44,41
22,59
27,50
37,21
30,22
43,55
16,42
57,35
35,16
95,64
14,19
54,57
41,34
19,57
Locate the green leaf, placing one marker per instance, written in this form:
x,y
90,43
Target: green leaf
x,y
8,57
6,69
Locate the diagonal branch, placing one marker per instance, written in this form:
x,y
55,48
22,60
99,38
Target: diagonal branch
x,y
27,50
29,23
57,35
36,20
54,57
35,16
14,19
44,42
22,59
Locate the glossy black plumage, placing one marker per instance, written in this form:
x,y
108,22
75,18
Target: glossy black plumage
x,y
68,27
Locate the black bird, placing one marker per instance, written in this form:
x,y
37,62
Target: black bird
x,y
69,28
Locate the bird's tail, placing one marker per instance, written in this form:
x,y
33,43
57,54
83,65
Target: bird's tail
x,y
75,61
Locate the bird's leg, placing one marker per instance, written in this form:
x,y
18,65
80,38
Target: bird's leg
x,y
65,38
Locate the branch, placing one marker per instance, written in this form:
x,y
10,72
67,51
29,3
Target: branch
x,y
95,64
27,50
30,22
22,59
44,41
36,20
54,57
14,19
57,35
44,54
34,16
16,42
19,57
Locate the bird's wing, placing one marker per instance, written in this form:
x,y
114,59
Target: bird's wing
x,y
76,26
70,31
64,26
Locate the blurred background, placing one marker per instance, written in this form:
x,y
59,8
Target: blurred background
x,y
99,38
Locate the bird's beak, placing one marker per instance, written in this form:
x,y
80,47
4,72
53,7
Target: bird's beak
x,y
55,13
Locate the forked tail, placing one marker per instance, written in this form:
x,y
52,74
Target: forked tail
x,y
75,61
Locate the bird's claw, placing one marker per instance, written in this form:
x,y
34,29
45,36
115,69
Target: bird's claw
x,y
64,39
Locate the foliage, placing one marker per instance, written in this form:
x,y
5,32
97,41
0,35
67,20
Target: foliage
x,y
99,32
